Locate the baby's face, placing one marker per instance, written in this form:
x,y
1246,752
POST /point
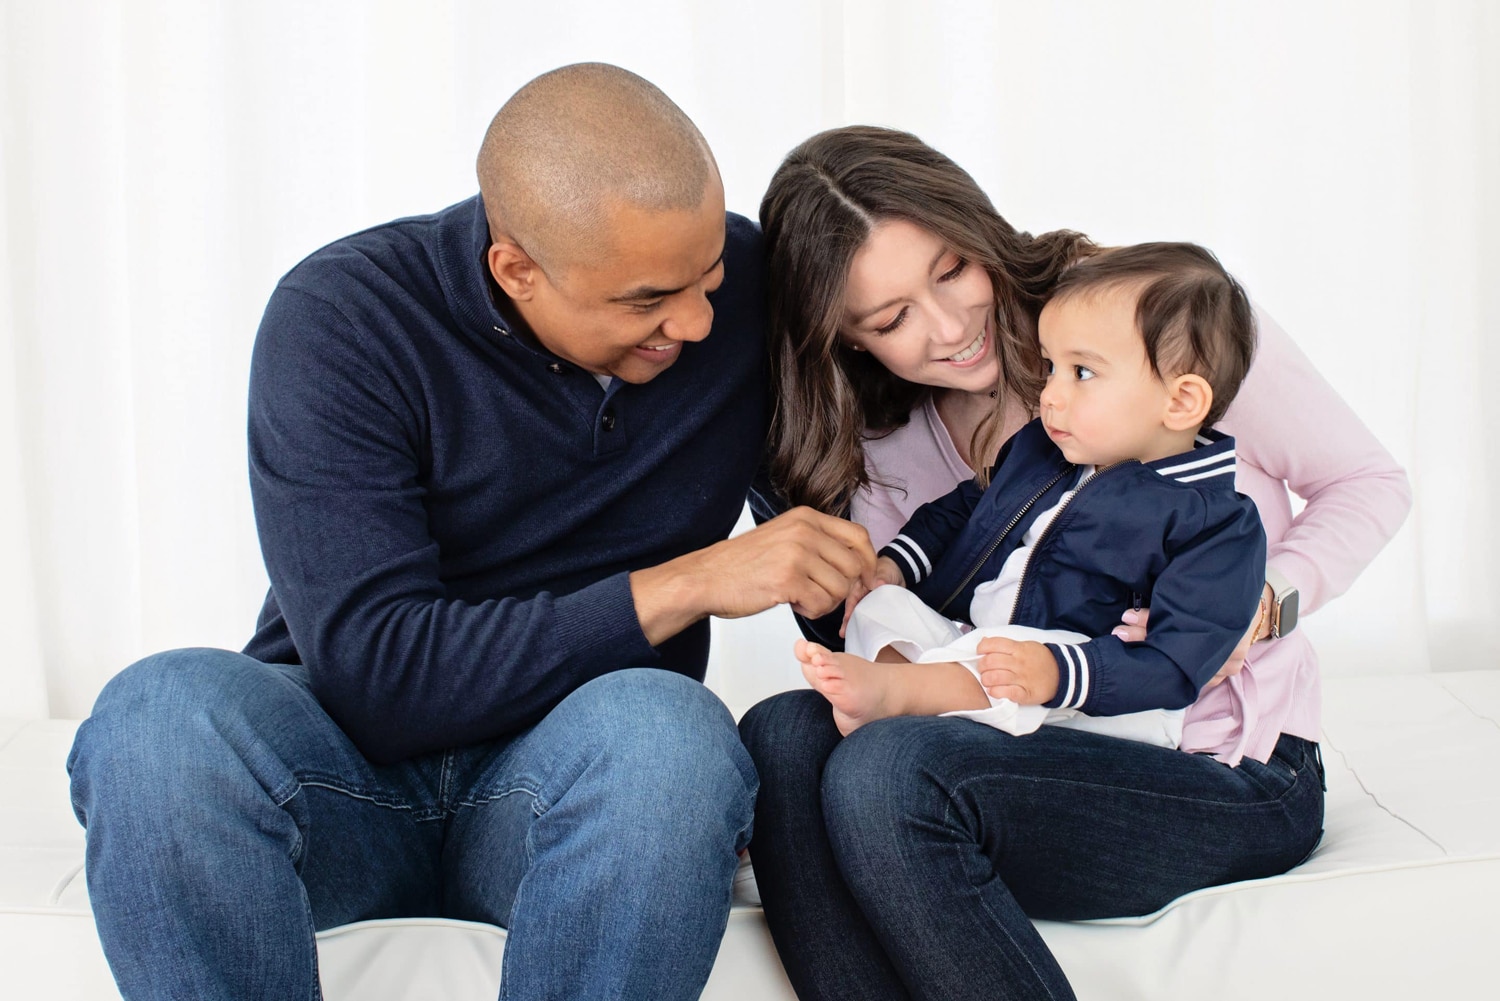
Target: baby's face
x,y
1102,403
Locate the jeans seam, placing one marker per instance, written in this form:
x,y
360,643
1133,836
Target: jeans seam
x,y
286,792
538,807
317,988
299,845
965,783
958,848
424,813
445,780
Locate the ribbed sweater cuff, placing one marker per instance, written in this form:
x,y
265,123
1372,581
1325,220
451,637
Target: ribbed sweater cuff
x,y
599,622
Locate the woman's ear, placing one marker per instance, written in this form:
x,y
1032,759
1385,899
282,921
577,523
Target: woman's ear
x,y
513,270
1189,398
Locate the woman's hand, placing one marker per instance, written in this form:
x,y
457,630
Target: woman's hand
x,y
1259,630
1133,625
1133,630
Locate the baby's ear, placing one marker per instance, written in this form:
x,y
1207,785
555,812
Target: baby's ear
x,y
1189,398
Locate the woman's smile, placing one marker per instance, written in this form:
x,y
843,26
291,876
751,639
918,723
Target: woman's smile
x,y
974,353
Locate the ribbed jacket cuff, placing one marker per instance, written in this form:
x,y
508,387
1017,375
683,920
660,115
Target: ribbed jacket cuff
x,y
1074,676
914,564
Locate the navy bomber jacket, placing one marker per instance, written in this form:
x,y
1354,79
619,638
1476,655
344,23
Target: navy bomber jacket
x,y
449,513
1171,534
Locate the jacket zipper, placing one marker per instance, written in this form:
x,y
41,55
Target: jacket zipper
x,y
1026,567
1001,538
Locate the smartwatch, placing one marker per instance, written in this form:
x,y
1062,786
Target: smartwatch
x,y
1283,603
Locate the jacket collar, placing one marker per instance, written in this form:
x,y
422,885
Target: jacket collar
x,y
1211,459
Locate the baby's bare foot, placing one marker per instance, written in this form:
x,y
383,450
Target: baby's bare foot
x,y
859,690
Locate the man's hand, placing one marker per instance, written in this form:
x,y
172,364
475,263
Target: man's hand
x,y
801,558
886,572
1019,670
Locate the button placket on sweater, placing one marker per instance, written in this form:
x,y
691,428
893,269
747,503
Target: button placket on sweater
x,y
607,430
609,422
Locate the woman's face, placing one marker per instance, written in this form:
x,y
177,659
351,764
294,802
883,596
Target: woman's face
x,y
922,311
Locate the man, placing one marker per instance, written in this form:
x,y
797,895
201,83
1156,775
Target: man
x,y
494,453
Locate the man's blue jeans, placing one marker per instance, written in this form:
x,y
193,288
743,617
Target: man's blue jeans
x,y
904,860
228,818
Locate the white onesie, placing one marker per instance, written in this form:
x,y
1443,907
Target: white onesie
x,y
894,617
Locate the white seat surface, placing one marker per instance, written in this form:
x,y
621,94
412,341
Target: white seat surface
x,y
1394,902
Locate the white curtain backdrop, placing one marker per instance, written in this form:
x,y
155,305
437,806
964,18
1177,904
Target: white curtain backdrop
x,y
162,163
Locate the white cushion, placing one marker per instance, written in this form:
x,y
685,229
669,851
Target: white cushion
x,y
1395,902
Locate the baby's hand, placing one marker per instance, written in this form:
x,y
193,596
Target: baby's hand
x,y
1019,670
886,572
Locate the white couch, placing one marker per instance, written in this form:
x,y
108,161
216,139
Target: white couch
x,y
1395,903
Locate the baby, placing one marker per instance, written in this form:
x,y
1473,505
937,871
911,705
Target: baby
x,y
1117,496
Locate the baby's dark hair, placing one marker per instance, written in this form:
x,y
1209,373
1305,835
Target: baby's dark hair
x,y
1192,314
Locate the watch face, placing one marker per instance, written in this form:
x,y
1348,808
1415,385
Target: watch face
x,y
1286,617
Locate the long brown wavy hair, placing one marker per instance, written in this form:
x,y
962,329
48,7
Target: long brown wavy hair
x,y
825,198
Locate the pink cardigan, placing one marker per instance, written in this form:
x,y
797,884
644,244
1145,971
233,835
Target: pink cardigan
x,y
1293,435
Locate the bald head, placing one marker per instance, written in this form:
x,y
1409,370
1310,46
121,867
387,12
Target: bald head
x,y
576,141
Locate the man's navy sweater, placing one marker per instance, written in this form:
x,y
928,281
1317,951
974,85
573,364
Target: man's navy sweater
x,y
449,513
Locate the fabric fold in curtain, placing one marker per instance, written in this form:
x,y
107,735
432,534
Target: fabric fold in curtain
x,y
23,684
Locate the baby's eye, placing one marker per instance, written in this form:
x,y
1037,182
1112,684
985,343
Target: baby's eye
x,y
1083,372
1047,368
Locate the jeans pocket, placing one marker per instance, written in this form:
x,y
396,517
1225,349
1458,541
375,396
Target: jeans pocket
x,y
1273,778
1304,759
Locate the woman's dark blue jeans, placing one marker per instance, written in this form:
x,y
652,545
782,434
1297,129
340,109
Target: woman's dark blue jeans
x,y
906,860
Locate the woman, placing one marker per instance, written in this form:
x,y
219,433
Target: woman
x,y
907,859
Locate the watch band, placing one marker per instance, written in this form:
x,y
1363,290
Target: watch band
x,y
1284,603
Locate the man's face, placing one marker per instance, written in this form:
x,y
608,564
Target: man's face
x,y
627,312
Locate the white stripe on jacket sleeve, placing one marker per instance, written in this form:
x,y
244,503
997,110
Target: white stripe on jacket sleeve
x,y
1076,690
913,556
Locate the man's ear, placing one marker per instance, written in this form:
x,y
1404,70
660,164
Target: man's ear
x,y
513,270
1189,398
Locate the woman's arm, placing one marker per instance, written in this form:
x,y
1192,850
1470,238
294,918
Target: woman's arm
x,y
1293,432
907,468
1292,428
878,507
